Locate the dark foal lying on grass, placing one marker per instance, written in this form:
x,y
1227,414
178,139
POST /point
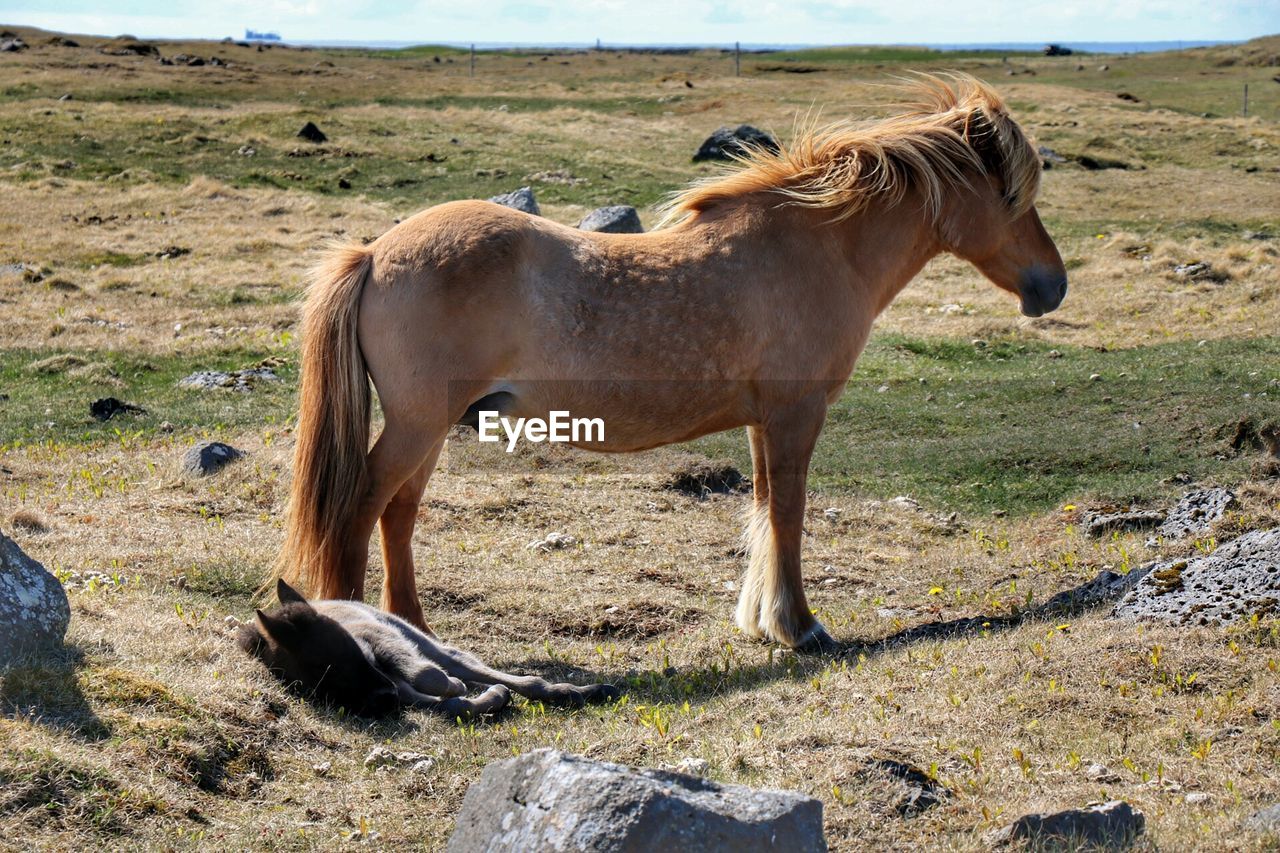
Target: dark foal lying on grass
x,y
353,656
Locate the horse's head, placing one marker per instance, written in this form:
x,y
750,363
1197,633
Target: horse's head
x,y
316,656
989,218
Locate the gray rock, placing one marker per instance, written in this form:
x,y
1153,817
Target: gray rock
x,y
549,800
1109,825
726,143
521,199
1103,588
1264,820
311,133
209,457
34,611
615,219
12,45
1100,524
234,380
1237,580
1195,513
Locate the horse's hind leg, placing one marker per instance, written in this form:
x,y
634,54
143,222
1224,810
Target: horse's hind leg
x,y
784,613
399,588
398,453
755,539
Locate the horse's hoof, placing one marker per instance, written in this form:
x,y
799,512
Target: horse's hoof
x,y
818,642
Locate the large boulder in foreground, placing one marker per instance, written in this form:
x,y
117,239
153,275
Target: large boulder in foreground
x,y
726,143
1237,580
34,611
549,800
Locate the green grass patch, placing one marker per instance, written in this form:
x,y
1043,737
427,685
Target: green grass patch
x,y
45,395
1008,427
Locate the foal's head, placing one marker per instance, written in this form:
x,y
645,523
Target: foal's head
x,y
317,657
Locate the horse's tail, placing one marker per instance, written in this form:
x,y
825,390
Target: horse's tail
x,y
332,433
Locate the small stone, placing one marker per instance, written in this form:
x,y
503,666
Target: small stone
x,y
616,219
1101,773
165,426
109,407
322,769
521,199
1109,825
1095,377
1102,524
311,133
552,542
1197,798
1053,353
691,766
1264,820
426,766
209,457
727,143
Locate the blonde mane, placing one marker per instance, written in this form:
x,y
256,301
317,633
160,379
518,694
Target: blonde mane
x,y
952,127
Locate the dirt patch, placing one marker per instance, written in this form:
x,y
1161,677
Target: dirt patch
x,y
699,479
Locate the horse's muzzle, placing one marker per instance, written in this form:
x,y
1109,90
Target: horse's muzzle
x,y
1042,290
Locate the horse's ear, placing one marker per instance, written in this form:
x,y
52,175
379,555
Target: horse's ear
x,y
280,630
287,594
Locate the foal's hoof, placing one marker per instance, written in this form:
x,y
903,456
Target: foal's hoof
x,y
818,642
600,694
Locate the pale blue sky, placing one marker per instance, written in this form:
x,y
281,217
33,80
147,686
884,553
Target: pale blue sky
x,y
664,21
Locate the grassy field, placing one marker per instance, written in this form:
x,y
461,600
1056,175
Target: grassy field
x,y
164,218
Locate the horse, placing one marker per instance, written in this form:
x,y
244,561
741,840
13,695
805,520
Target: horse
x,y
347,654
747,307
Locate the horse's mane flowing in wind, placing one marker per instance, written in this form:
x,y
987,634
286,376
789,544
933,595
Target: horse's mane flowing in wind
x,y
952,125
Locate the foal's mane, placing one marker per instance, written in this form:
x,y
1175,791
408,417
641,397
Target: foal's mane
x,y
952,127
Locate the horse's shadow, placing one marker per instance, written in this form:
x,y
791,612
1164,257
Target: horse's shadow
x,y
44,689
731,676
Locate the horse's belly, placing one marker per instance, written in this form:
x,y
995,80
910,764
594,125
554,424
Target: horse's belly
x,y
622,416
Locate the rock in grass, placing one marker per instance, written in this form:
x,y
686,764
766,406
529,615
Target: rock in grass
x,y
521,199
1234,582
725,143
1195,512
209,457
311,133
550,800
108,407
34,611
1101,524
229,380
1107,825
1264,820
615,219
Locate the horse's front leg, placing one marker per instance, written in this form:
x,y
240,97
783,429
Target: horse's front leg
x,y
774,570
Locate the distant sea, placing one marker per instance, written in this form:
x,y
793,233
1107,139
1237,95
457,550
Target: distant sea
x,y
1010,46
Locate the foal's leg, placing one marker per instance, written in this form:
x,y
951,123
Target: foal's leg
x,y
784,613
489,702
755,539
399,591
472,670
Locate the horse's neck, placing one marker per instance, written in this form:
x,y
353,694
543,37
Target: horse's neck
x,y
886,246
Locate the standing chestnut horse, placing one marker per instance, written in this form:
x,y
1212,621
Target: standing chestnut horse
x,y
748,309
